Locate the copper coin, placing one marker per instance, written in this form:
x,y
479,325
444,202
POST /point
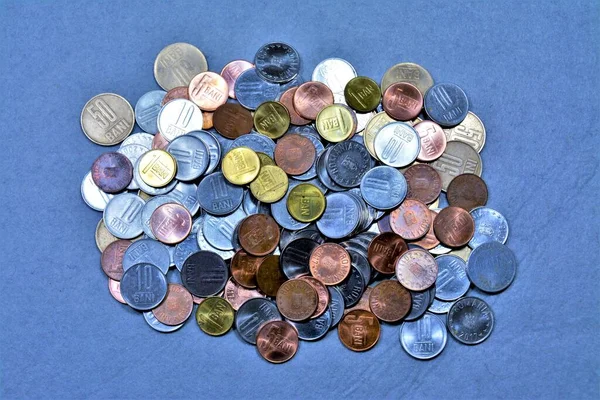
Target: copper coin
x,y
402,101
297,300
244,267
236,294
359,330
177,306
363,303
207,120
330,263
467,191
208,90
384,224
454,226
269,276
287,99
112,172
429,241
384,250
295,154
231,71
179,92
411,220
433,140
277,341
390,301
232,120
424,183
159,142
322,293
310,98
111,260
258,234
114,287
171,223
416,270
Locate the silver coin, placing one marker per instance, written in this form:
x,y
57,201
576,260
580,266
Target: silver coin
x,y
92,195
470,131
177,64
335,73
294,260
147,251
420,303
490,226
252,314
352,288
383,187
361,263
397,144
492,267
363,120
144,187
470,320
174,276
322,173
185,193
179,117
159,326
281,214
255,141
141,138
184,249
312,172
191,155
252,205
133,152
251,90
440,306
204,245
147,109
213,146
337,305
424,338
218,231
122,216
347,163
452,281
143,286
277,62
107,119
313,329
458,158
217,196
149,208
341,216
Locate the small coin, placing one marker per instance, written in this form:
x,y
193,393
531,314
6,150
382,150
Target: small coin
x,y
330,263
470,131
240,165
177,306
297,300
103,236
271,184
492,267
281,214
143,286
402,101
217,196
112,259
424,183
411,220
347,163
112,172
179,117
407,72
231,71
384,251
467,191
208,90
383,187
433,140
322,293
147,108
310,98
429,241
269,276
470,320
295,154
458,158
178,92
362,94
252,315
454,227
306,203
359,330
122,216
157,168
287,99
259,234
335,123
452,281
251,90
232,120
378,121
397,144
424,338
277,341
171,223
107,119
204,274
215,316
272,119
147,251
191,156
490,226
177,64
390,301
416,270
446,104
244,267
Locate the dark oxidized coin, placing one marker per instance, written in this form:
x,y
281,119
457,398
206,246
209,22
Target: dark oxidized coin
x,y
143,286
252,315
259,234
347,163
424,183
232,120
352,288
295,257
384,251
244,267
470,320
269,276
454,227
204,274
322,293
277,62
467,191
112,172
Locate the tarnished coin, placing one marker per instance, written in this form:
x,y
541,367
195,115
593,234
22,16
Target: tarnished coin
x,y
151,205
360,301
103,236
237,295
470,320
467,191
335,73
330,263
133,152
217,196
232,120
215,316
143,286
295,257
178,92
244,267
490,226
122,216
231,71
177,306
306,203
411,220
269,276
179,117
191,155
107,119
433,140
208,90
492,267
204,274
310,98
384,251
157,168
171,223
470,131
416,270
270,185
424,338
112,259
359,330
335,123
112,172
177,64
240,165
458,158
259,234
277,62
402,101
295,154
397,144
383,187
251,90
147,108
322,294
362,94
375,124
297,300
272,119
147,251
424,183
452,281
407,72
277,341
157,325
287,99
454,227
252,315
347,163
446,104
390,301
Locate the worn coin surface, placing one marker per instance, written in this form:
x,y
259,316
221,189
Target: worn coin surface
x,y
470,131
204,274
384,251
177,306
122,215
470,320
458,158
271,184
177,64
217,196
112,259
411,220
467,191
330,263
191,155
424,338
419,304
112,172
269,276
347,163
143,286
454,227
295,257
232,120
258,234
359,330
416,270
390,301
107,119
492,267
277,341
490,226
147,251
424,183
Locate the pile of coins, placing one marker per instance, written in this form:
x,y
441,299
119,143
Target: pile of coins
x,y
288,207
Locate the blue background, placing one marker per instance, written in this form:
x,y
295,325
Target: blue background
x,y
531,72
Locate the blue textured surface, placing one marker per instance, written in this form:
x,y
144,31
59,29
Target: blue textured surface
x,y
531,73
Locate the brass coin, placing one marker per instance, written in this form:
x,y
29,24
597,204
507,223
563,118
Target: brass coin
x,y
241,165
362,94
264,159
144,196
215,316
107,119
272,119
270,185
103,236
306,203
407,72
335,123
157,168
269,276
375,124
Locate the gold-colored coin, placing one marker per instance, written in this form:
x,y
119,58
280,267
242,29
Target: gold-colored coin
x,y
157,168
306,203
145,196
335,123
215,316
270,185
103,236
435,204
241,165
362,93
462,253
272,119
380,120
264,159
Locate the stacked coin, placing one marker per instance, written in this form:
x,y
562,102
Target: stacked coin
x,y
288,208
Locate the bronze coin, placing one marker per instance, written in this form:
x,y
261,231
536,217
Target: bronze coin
x,y
232,120
287,99
411,220
244,267
297,300
467,191
277,341
359,330
310,98
330,263
111,260
295,154
429,241
402,101
177,306
236,294
454,226
390,301
207,119
269,276
424,183
416,270
258,234
322,293
179,92
384,250
159,142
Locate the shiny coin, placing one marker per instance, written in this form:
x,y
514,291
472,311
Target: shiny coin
x,y
314,328
384,251
231,71
252,315
467,191
272,119
335,73
252,205
383,187
277,341
361,263
103,236
297,300
310,98
151,205
232,120
177,64
353,288
492,267
147,108
208,90
336,305
259,234
330,263
458,158
157,168
424,338
419,304
251,90
470,320
347,163
335,123
143,286
440,307
191,155
390,301
140,138
244,267
204,274
433,140
397,144
112,259
446,104
295,154
362,94
213,146
287,99
240,165
331,224
281,214
270,185
490,226
424,183
402,101
219,231
277,62
179,117
295,257
204,245
452,281
269,276
157,325
112,172
306,203
237,295
411,220
454,227
177,306
470,131
107,119
92,195
122,216
375,124
178,92
217,196
171,223
322,293
416,270
185,194
407,72
147,251
215,316
359,330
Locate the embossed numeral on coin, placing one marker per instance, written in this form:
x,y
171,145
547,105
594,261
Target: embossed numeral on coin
x,y
144,278
102,113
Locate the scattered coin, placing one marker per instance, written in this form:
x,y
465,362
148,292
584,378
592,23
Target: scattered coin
x,y
272,119
397,144
424,183
215,316
433,140
492,267
402,101
447,104
259,234
470,320
452,281
107,119
490,226
252,315
112,259
177,64
177,306
277,62
424,338
416,270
